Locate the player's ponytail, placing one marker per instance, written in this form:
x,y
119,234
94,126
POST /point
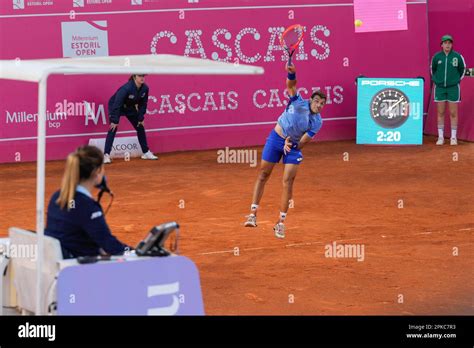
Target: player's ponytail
x,y
69,182
79,166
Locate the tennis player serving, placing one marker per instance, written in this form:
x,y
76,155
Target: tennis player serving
x,y
296,126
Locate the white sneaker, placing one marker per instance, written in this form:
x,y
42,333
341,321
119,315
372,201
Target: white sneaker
x,y
107,159
453,141
279,229
251,221
440,141
149,156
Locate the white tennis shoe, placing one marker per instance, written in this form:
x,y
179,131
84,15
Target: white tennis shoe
x,y
107,159
149,156
279,229
440,141
251,221
454,141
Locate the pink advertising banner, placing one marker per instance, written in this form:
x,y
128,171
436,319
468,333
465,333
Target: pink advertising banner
x,y
194,112
380,15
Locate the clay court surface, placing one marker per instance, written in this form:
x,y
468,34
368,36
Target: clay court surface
x,y
408,251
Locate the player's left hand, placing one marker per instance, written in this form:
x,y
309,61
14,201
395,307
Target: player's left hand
x,y
141,123
288,145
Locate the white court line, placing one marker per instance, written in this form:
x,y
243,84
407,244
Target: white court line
x,y
274,247
315,243
298,244
261,248
217,252
462,229
190,9
169,129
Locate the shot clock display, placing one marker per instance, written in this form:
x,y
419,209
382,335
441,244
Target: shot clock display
x,y
389,111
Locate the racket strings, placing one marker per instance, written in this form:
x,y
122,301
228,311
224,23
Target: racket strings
x,y
292,37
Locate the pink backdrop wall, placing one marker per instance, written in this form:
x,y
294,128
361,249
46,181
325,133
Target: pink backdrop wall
x,y
219,111
455,17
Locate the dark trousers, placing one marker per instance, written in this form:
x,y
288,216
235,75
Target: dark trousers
x,y
133,119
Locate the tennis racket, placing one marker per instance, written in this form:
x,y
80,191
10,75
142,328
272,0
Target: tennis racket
x,y
291,38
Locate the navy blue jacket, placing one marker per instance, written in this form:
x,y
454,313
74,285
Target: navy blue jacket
x,y
124,100
82,230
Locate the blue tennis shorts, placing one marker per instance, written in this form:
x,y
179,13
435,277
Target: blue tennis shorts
x,y
273,151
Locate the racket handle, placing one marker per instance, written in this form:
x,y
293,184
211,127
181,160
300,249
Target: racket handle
x,y
290,53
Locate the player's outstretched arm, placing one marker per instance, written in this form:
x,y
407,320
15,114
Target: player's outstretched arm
x,y
291,80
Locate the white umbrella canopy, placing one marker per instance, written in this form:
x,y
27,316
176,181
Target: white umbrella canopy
x,y
162,64
38,70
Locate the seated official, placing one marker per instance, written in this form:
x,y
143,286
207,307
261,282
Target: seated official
x,y
74,217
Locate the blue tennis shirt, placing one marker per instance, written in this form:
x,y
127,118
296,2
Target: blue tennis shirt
x,y
297,119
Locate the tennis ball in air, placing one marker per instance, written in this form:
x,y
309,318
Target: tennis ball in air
x,y
358,22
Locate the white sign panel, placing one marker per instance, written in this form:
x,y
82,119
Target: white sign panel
x,y
85,39
124,147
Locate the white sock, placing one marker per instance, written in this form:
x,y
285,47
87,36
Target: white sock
x,y
440,132
254,208
453,133
282,216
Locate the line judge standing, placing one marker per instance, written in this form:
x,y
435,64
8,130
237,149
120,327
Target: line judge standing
x,y
130,101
